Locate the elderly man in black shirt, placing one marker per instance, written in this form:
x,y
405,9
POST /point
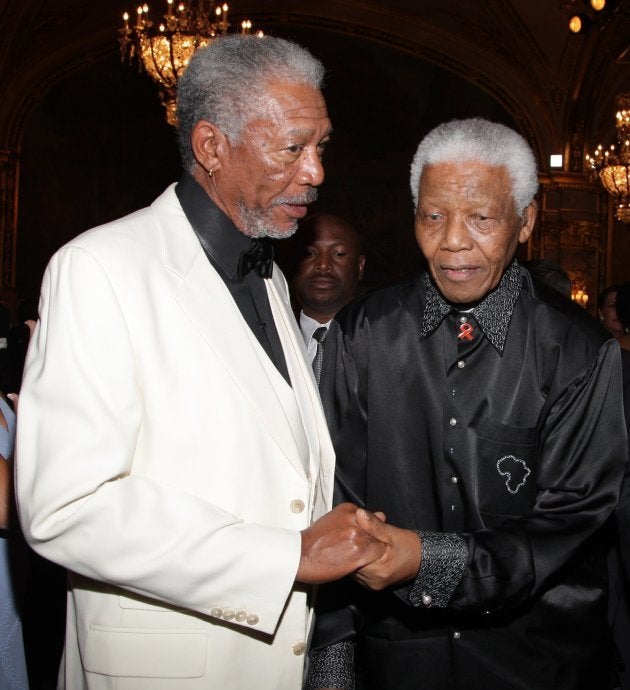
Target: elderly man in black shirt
x,y
484,418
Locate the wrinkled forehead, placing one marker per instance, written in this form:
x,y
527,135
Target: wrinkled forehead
x,y
291,102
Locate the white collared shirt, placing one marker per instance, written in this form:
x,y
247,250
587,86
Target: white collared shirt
x,y
308,326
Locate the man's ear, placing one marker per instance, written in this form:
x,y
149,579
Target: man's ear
x,y
361,266
207,141
527,222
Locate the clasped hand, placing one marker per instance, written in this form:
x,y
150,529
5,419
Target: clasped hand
x,y
353,541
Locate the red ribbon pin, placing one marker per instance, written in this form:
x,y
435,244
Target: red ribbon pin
x,y
465,332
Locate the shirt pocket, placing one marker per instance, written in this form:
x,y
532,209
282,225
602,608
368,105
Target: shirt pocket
x,y
505,470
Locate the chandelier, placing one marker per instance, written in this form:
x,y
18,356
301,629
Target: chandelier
x,y
164,47
613,164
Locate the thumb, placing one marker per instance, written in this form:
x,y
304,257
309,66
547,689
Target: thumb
x,y
371,524
31,326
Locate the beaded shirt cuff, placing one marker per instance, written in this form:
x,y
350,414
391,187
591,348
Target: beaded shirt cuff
x,y
332,667
444,559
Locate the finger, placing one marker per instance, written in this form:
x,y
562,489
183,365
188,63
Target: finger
x,y
374,552
380,515
369,580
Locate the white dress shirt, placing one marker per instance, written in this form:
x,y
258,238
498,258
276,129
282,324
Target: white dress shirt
x,y
308,326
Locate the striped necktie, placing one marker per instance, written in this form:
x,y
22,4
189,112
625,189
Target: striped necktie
x,y
319,335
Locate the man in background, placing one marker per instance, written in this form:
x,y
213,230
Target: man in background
x,y
329,265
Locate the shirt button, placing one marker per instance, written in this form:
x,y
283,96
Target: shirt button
x,y
216,613
252,619
299,648
426,600
454,479
297,505
241,616
456,635
463,319
452,421
461,364
451,451
228,614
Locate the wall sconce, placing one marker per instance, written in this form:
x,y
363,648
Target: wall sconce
x,y
580,297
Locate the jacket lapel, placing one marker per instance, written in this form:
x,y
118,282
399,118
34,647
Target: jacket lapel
x,y
208,305
306,391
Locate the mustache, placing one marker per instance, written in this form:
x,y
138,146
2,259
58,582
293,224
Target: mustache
x,y
330,281
309,197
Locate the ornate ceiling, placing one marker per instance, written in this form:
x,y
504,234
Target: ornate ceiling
x,y
510,59
519,51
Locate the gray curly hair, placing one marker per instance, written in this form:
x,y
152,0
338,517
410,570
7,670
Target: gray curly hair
x,y
225,83
477,139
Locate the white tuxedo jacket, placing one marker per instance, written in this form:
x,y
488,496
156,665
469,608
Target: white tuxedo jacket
x,y
164,460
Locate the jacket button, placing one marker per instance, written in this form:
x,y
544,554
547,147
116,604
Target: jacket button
x,y
241,616
216,613
228,614
454,479
299,648
452,421
456,635
252,619
426,600
297,505
461,364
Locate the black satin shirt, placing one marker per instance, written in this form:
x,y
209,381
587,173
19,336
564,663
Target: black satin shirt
x,y
514,443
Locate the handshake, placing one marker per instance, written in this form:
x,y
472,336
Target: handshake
x,y
353,541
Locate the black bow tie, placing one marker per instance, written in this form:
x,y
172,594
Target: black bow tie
x,y
259,257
